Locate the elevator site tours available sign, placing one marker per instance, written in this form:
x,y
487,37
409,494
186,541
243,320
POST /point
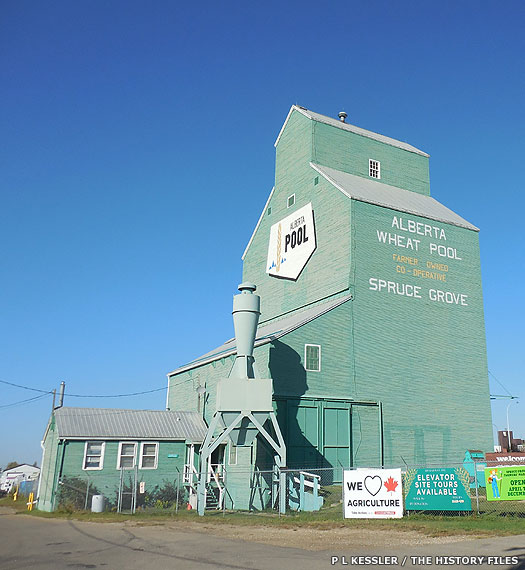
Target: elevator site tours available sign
x,y
373,493
292,242
439,489
505,483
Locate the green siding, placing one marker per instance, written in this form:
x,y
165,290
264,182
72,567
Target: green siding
x,y
293,174
65,460
48,469
349,152
331,215
426,360
106,480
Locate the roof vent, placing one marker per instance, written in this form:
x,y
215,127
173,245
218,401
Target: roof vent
x,y
342,116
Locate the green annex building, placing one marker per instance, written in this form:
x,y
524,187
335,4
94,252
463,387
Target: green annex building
x,y
104,450
371,323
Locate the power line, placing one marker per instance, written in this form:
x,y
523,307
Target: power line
x,y
27,400
26,387
114,395
86,395
504,387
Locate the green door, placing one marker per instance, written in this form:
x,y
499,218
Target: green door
x,y
336,434
302,434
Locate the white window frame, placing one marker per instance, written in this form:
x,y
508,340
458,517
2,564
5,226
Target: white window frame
x,y
288,205
101,466
305,362
142,444
374,165
119,456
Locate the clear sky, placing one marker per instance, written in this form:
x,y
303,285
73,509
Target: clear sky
x,y
137,154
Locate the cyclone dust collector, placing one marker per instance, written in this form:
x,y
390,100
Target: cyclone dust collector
x,y
244,402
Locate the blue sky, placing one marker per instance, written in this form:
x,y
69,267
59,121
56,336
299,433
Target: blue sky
x,y
137,154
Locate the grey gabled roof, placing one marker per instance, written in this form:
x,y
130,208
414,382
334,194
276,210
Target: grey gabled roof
x,y
365,190
111,423
267,332
348,127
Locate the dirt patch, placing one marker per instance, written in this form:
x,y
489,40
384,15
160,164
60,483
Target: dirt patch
x,y
318,539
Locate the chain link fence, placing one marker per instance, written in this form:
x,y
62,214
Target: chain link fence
x,y
124,492
258,491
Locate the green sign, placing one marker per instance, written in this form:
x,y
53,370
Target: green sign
x,y
439,489
505,483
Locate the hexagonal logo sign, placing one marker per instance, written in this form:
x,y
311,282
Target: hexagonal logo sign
x,y
292,242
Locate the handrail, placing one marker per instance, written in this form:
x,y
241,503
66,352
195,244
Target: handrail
x,y
308,483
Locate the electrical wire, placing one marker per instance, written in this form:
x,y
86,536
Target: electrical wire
x,y
115,395
500,383
85,395
27,400
26,387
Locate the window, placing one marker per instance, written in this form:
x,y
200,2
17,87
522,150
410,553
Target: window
x,y
232,459
316,180
374,168
93,455
149,453
269,210
291,201
127,452
312,357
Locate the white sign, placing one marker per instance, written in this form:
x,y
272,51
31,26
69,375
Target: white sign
x,y
142,487
292,242
373,493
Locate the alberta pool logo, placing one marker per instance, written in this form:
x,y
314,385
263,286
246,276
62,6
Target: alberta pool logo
x,y
292,242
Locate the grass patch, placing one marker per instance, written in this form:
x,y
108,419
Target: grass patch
x,y
492,524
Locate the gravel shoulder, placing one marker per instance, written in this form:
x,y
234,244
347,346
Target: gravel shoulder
x,y
316,539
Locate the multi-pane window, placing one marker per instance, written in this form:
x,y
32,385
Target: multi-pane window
x,y
127,452
93,455
374,168
291,200
149,453
312,357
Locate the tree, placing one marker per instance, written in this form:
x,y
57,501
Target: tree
x,y
11,464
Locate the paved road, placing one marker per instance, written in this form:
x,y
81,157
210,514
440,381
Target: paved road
x,y
55,544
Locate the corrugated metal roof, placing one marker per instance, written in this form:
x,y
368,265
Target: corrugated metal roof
x,y
266,332
365,190
110,423
352,128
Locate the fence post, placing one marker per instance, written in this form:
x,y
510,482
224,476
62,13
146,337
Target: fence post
x,y
135,489
178,492
119,501
87,495
342,489
476,483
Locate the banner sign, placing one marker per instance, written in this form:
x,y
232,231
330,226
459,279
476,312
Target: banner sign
x,y
505,483
373,493
439,489
292,242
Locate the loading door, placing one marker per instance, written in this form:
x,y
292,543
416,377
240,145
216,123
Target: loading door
x,y
317,433
336,434
302,431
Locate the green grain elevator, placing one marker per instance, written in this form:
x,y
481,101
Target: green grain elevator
x,y
371,323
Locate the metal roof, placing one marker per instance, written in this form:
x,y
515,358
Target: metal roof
x,y
108,423
266,332
365,190
348,127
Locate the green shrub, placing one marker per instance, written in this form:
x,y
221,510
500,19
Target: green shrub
x,y
72,494
164,497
